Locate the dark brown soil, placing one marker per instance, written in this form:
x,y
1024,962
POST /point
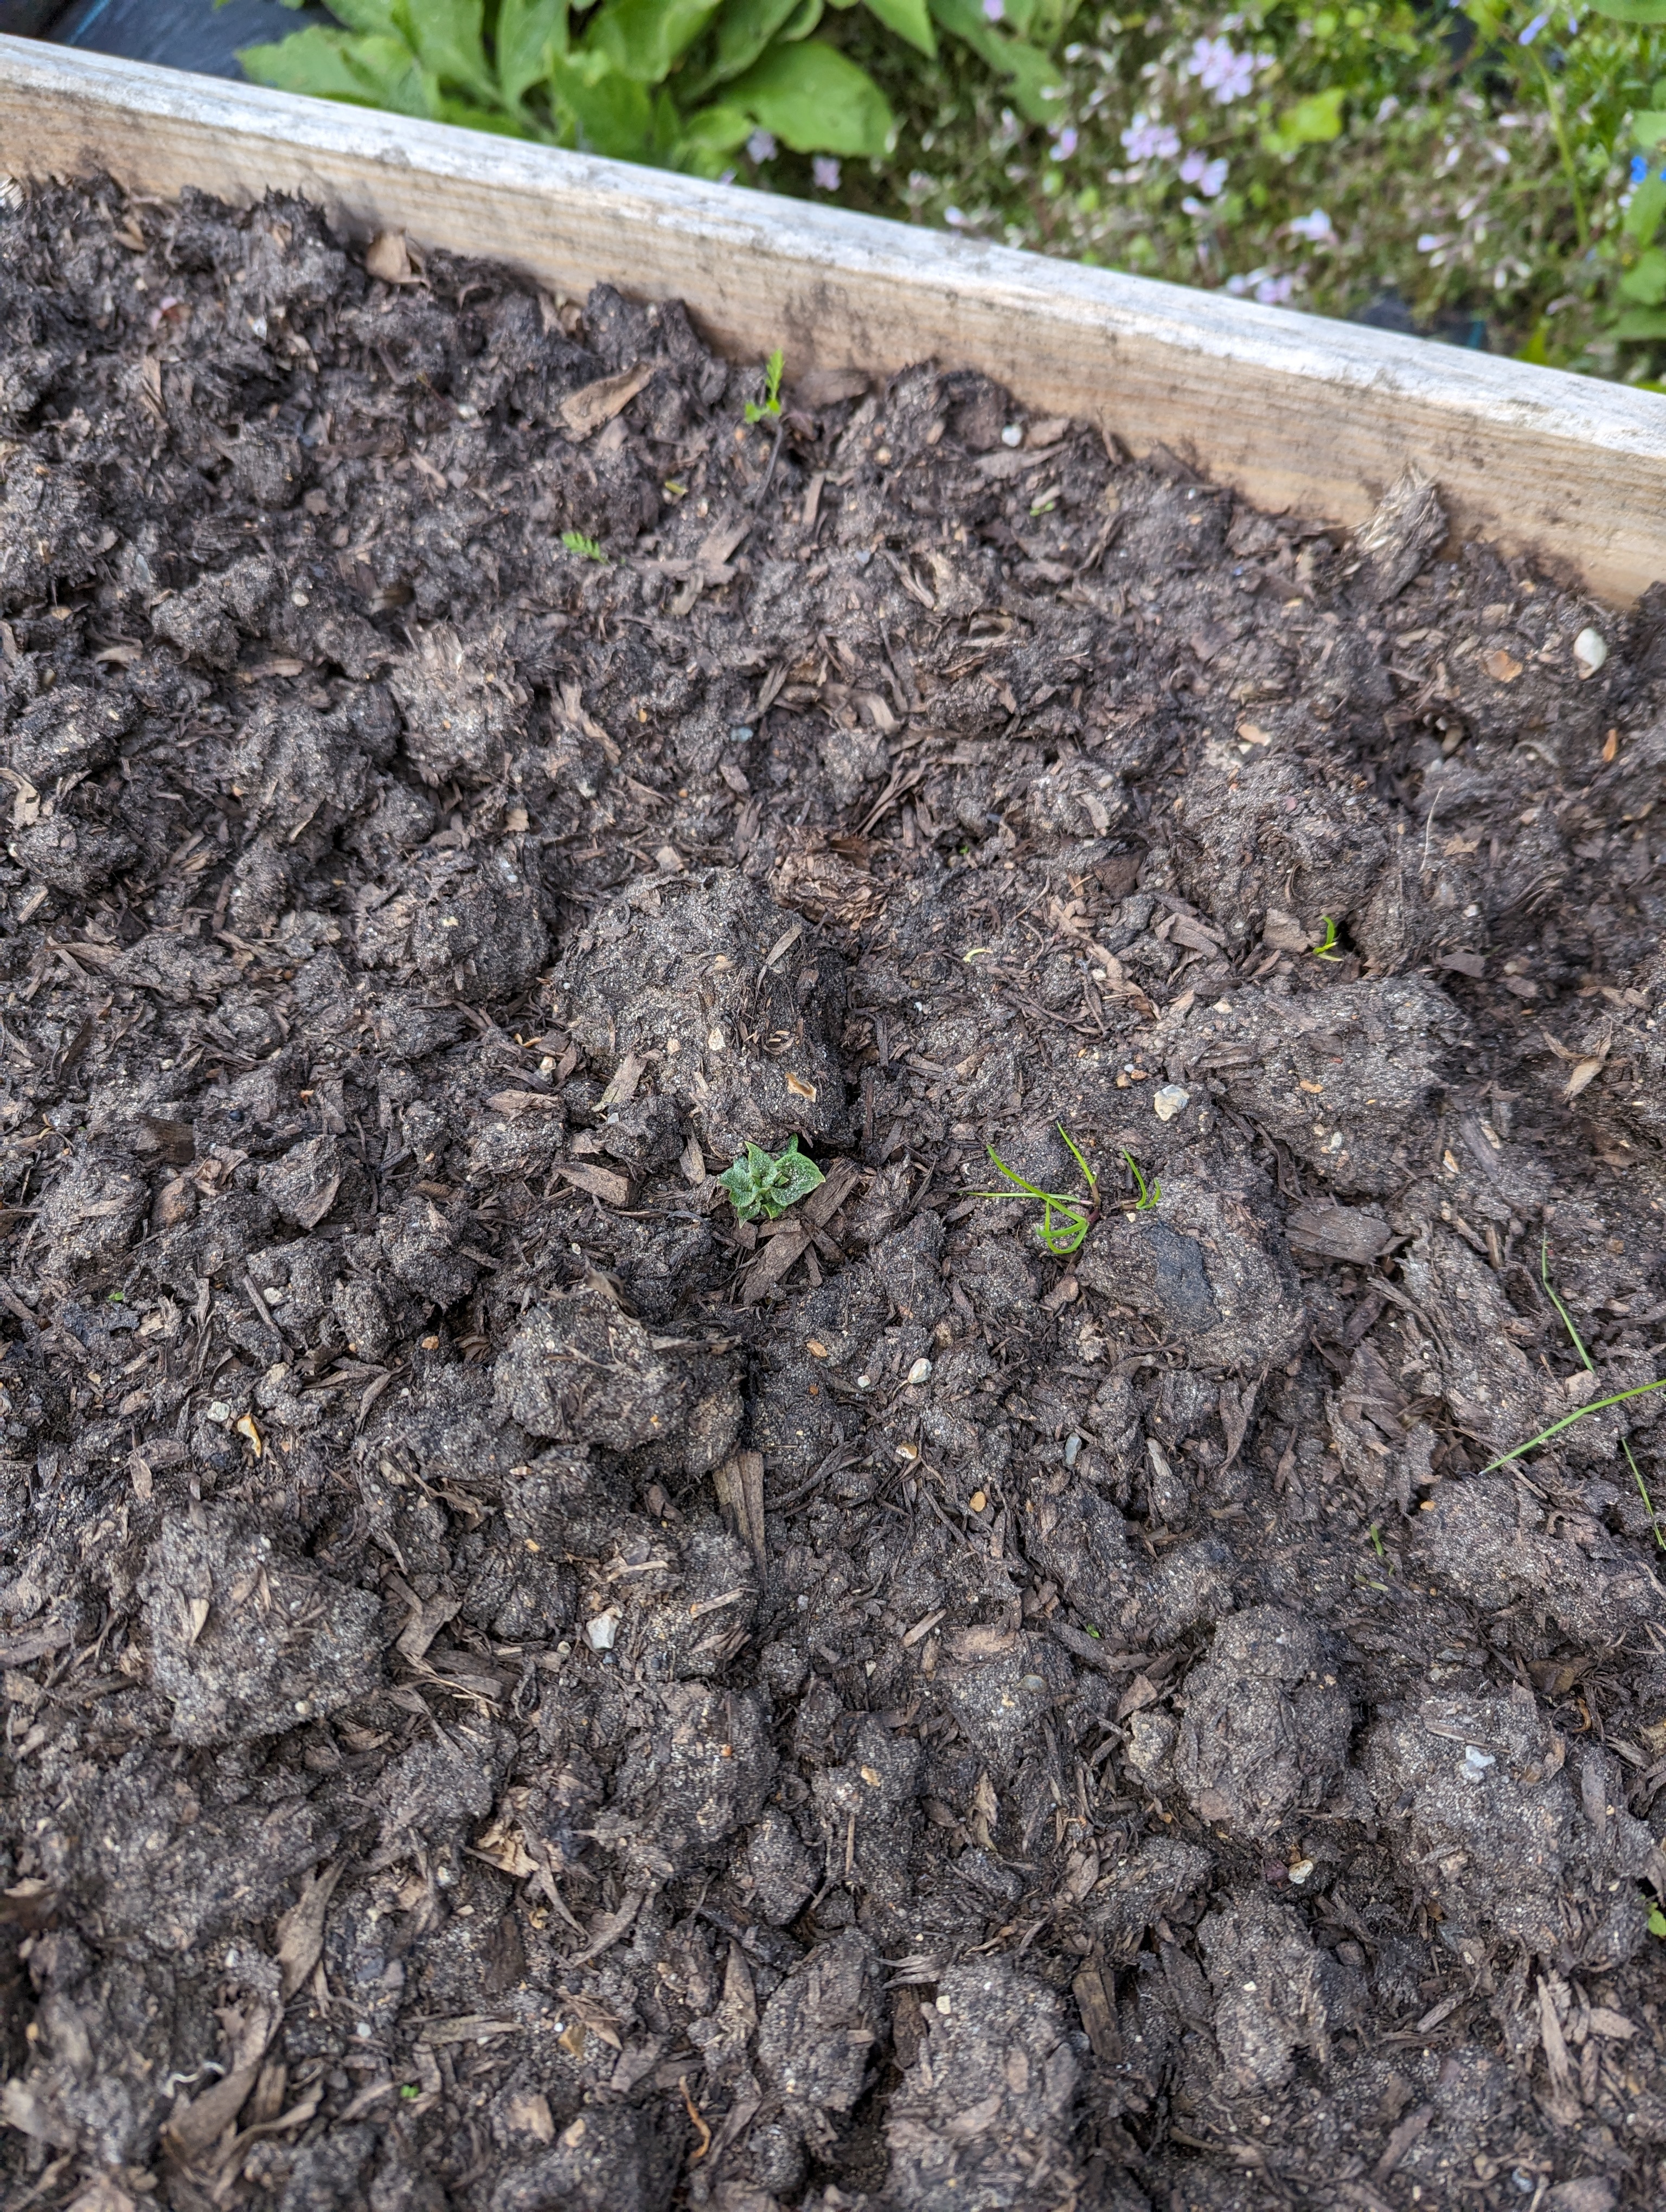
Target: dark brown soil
x,y
521,1692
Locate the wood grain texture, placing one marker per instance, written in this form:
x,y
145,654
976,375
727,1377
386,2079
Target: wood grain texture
x,y
1294,412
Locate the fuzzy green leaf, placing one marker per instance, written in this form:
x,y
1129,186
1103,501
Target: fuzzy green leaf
x,y
447,35
528,31
1633,11
910,20
609,114
645,39
816,101
372,72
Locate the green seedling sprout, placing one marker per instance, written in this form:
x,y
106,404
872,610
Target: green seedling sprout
x,y
768,409
1150,1193
587,548
1065,1219
762,1185
1326,948
1590,1369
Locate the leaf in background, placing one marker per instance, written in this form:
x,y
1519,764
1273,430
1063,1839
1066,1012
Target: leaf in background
x,y
1633,11
446,36
1646,282
1031,75
910,20
709,138
803,19
371,72
744,28
1649,130
643,39
1640,323
1642,217
816,101
377,18
526,30
611,114
1314,121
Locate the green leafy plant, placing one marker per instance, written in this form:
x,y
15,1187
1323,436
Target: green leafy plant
x,y
587,548
1065,1219
1150,1193
1586,1362
768,409
1326,948
683,84
762,1185
1656,1922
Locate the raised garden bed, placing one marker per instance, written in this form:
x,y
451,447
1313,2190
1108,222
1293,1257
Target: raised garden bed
x,y
523,1689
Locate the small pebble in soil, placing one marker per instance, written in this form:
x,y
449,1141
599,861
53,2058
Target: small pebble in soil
x,y
1173,1098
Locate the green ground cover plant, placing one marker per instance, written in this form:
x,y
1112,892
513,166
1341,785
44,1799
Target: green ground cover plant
x,y
1493,174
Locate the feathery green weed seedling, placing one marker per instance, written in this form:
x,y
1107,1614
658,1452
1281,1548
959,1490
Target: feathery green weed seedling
x,y
587,548
1590,1369
769,408
1326,948
762,1185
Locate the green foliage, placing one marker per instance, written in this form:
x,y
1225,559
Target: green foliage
x,y
1656,1920
1586,1362
762,1185
587,548
768,408
1065,1219
1326,948
1150,1193
680,83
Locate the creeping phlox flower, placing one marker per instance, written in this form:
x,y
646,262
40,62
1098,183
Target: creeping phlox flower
x,y
1209,177
1533,29
1222,71
824,168
1262,286
1316,228
1064,142
761,146
1145,141
993,11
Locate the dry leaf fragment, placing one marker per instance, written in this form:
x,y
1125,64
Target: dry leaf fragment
x,y
301,1930
1585,1072
593,404
197,1614
1500,666
388,256
247,1430
600,1183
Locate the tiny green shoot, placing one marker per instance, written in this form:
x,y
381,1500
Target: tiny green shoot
x,y
1326,948
587,548
1589,1367
1656,1923
1066,1219
675,489
1377,1541
1151,1192
1043,506
769,408
762,1185
411,2091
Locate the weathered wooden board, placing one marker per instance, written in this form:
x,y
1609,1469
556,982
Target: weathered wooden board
x,y
1294,412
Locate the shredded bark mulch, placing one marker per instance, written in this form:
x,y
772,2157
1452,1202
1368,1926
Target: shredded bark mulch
x,y
523,1690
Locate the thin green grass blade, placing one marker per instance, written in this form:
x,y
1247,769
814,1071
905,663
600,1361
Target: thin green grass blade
x,y
1596,1406
1578,1345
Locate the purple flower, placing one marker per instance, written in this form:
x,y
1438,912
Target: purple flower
x,y
824,168
1533,29
1145,141
1316,228
1275,291
761,146
993,11
1229,75
1209,177
1065,145
953,217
